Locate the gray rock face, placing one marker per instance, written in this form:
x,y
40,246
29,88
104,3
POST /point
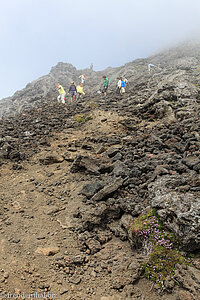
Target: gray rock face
x,y
169,82
108,190
92,188
180,212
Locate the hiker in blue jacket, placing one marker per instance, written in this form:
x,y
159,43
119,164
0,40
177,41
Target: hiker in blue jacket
x,y
123,86
150,67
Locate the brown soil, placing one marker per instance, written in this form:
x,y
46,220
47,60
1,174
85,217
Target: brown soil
x,y
37,207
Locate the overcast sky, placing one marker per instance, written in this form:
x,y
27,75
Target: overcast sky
x,y
36,34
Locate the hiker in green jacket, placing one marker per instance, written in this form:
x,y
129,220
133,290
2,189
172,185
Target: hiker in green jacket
x,y
105,85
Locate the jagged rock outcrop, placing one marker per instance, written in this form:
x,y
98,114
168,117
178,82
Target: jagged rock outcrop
x,y
176,74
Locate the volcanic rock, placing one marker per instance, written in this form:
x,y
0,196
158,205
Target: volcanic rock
x,y
180,212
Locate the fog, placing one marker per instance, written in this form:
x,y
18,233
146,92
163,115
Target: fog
x,y
35,35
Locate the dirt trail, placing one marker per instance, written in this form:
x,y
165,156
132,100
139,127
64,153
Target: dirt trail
x,y
38,204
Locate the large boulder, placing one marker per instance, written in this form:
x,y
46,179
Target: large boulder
x,y
179,211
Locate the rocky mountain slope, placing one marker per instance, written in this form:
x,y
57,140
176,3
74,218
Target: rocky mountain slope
x,y
76,178
172,64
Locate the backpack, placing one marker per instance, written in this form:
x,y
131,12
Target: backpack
x,y
123,84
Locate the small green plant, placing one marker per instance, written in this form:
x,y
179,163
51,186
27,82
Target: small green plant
x,y
82,118
161,246
162,263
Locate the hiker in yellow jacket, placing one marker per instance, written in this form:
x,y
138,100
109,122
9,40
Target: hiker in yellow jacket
x,y
62,96
80,91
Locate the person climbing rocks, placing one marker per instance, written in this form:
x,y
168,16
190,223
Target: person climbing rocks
x,y
150,66
119,82
83,78
105,85
62,96
123,86
80,91
72,91
126,81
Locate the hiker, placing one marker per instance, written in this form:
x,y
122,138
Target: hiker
x,y
62,96
125,80
123,86
105,85
119,86
150,66
82,77
80,91
72,91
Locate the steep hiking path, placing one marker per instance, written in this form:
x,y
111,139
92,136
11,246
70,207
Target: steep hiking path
x,y
55,240
73,179
37,224
40,248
